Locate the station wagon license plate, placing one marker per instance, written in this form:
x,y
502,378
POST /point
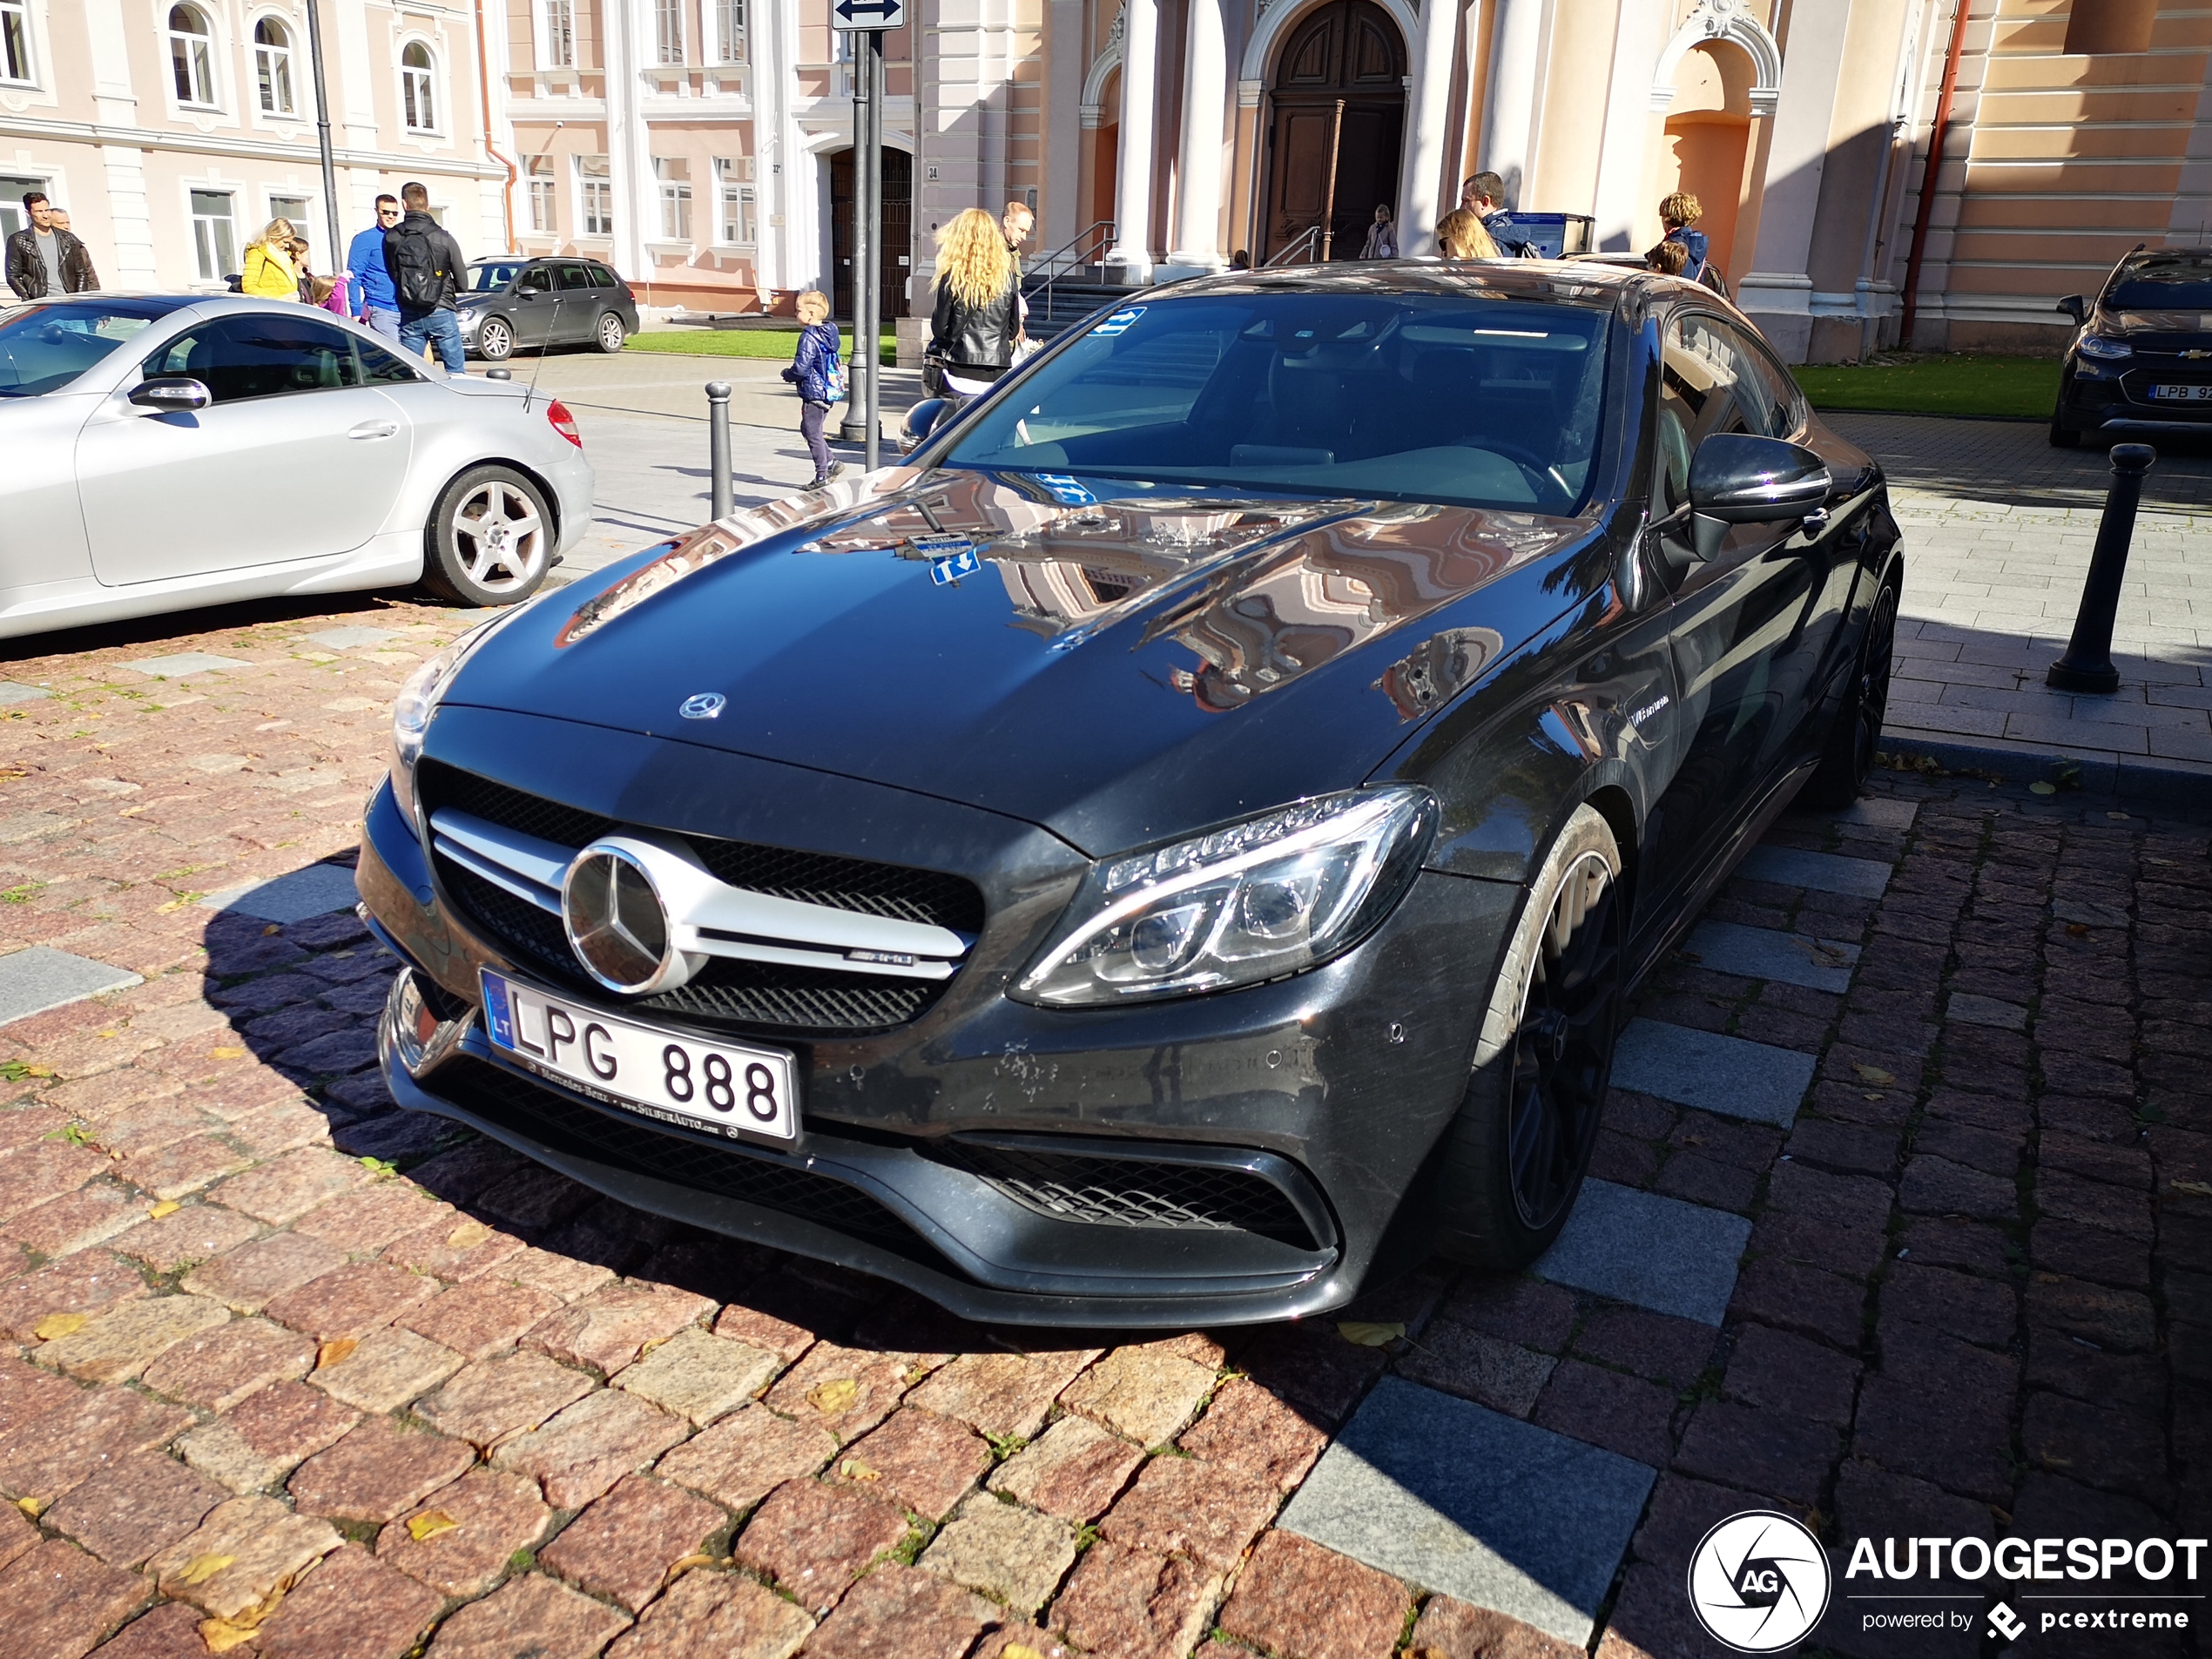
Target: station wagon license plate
x,y
2181,394
733,1088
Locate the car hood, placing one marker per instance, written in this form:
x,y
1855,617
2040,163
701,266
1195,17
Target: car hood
x,y
1111,662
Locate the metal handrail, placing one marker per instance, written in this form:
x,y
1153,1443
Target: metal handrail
x,y
1098,233
1308,242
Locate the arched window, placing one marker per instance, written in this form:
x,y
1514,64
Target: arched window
x,y
192,56
416,104
272,66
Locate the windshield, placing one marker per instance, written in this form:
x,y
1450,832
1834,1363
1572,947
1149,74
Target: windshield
x,y
2163,282
44,348
1460,400
493,274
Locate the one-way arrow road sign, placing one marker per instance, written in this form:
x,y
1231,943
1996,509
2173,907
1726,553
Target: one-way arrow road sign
x,y
867,14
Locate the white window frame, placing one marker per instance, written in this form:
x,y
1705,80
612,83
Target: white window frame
x,y
205,251
554,23
18,56
668,33
730,18
304,221
595,194
736,206
543,181
675,196
273,69
206,93
419,89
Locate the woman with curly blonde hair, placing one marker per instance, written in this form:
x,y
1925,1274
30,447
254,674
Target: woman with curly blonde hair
x,y
1460,235
977,320
270,273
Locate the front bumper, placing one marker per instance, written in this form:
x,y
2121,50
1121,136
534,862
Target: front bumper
x,y
1332,1087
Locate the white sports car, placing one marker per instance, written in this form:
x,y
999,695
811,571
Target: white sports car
x,y
167,451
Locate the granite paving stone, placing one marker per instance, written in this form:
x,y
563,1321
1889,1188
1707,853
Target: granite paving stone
x,y
1074,1470
699,1375
625,1545
179,665
1787,867
1249,1430
170,1630
192,1235
1146,1393
531,1615
134,1507
1001,1394
247,1277
739,1461
287,1187
458,1248
467,1532
918,1459
39,977
608,1328
846,1391
349,1606
218,1368
716,1616
75,1438
88,1216
1183,1506
1766,954
123,1339
267,1435
61,1602
1135,1601
350,1301
581,1452
480,1319
1653,1251
1495,1512
384,1370
1727,1075
378,1472
494,1400
1295,1597
814,1539
247,1550
1013,1555
370,1217
315,891
1487,1369
901,1612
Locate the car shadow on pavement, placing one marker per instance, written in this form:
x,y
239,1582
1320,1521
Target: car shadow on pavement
x,y
165,627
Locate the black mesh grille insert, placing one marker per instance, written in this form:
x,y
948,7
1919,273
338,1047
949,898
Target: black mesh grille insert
x,y
762,996
1126,1192
568,1125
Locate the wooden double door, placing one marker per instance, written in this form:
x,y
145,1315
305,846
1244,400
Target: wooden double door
x,y
1337,113
898,231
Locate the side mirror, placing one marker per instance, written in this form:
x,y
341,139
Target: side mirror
x,y
922,419
527,290
2075,306
1738,479
171,394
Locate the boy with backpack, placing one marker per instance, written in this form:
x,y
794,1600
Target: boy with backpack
x,y
820,379
426,265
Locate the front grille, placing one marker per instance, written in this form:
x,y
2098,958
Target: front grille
x,y
1128,1192
755,996
568,1125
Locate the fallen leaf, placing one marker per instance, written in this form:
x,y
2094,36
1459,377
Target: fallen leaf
x,y
2042,789
37,1071
201,1568
429,1524
226,1054
55,1326
1874,1095
2195,1189
221,1635
467,1236
833,1396
30,1507
2077,930
1367,1333
1873,1074
1019,1650
688,1563
167,1207
335,1352
271,929
853,1469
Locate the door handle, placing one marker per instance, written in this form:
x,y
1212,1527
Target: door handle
x,y
375,429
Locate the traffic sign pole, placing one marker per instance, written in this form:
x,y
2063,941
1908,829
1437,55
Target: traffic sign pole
x,y
868,18
872,213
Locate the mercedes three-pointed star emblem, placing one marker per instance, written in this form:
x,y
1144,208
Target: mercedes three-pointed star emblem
x,y
616,923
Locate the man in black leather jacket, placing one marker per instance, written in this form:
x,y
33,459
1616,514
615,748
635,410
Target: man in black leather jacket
x,y
43,251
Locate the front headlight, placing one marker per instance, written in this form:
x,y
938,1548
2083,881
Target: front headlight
x,y
412,709
1258,901
2103,346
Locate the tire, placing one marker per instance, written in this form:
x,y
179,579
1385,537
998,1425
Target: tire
x,y
608,335
2064,436
1848,754
495,339
489,541
1512,1160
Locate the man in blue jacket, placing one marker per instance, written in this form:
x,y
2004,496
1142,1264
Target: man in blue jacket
x,y
375,301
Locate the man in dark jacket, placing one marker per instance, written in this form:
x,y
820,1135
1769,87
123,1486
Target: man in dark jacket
x,y
46,259
426,267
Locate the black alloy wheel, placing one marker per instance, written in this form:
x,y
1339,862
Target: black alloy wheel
x,y
1562,1054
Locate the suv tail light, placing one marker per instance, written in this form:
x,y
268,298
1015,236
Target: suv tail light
x,y
565,423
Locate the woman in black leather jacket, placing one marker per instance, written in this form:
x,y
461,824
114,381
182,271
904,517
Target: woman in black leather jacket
x,y
977,322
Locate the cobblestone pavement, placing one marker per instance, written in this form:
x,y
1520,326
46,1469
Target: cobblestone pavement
x,y
1998,528
1904,1227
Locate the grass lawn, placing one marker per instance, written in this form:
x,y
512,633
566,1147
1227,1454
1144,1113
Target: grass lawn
x,y
1937,383
740,342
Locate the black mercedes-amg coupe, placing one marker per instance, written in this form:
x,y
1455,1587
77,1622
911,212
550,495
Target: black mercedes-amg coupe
x,y
1176,847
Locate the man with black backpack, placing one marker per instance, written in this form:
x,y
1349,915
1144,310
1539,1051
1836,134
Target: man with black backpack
x,y
426,267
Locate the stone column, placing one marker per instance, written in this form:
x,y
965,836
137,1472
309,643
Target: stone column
x,y
1509,111
1064,145
1129,259
1776,293
1206,102
1428,127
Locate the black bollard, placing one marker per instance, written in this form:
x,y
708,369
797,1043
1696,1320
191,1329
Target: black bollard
x,y
717,443
2087,665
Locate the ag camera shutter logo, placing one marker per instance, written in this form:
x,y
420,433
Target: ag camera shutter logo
x,y
1758,1582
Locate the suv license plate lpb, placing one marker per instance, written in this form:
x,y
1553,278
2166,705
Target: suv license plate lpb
x,y
733,1088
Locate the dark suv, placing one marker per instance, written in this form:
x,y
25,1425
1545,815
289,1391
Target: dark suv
x,y
514,300
2143,357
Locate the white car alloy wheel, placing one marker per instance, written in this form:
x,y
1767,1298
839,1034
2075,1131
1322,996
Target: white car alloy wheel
x,y
490,539
610,332
495,339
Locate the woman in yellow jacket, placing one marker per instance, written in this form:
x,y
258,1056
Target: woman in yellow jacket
x,y
270,272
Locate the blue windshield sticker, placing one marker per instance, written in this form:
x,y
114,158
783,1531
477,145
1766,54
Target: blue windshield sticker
x,y
1119,323
497,1015
943,544
961,564
1066,490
